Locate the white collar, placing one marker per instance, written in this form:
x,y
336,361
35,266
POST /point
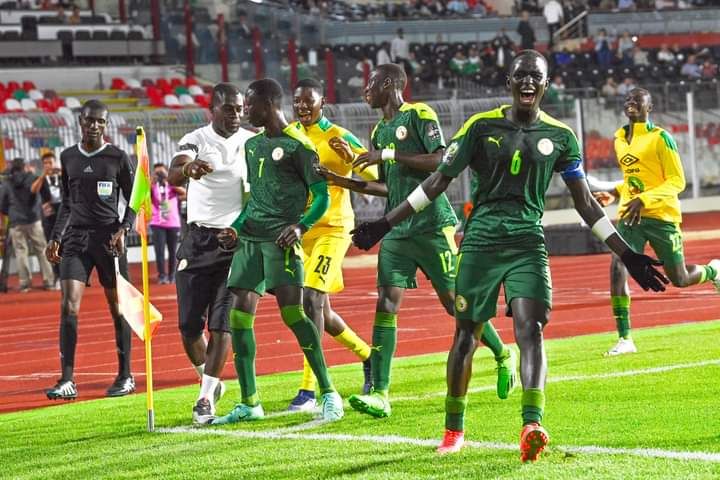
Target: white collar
x,y
90,154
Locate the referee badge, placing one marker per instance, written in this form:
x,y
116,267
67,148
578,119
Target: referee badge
x,y
545,146
401,132
461,304
277,154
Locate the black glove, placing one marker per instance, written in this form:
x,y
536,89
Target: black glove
x,y
642,268
368,234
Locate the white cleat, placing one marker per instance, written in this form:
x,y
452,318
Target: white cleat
x,y
623,346
716,281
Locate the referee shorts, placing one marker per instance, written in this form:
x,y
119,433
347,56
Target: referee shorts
x,y
200,282
84,249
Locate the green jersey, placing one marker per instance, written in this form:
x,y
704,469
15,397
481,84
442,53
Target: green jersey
x,y
280,172
415,129
512,168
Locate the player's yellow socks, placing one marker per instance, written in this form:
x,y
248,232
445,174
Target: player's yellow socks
x,y
349,339
308,378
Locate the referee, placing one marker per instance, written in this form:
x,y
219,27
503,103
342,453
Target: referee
x,y
211,160
88,234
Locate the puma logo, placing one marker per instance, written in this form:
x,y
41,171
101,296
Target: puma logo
x,y
496,141
309,348
377,348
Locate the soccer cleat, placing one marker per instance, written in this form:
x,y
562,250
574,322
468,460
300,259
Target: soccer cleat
x,y
304,401
452,442
63,390
716,281
121,386
623,346
240,413
367,374
218,392
533,439
203,412
374,404
331,407
506,375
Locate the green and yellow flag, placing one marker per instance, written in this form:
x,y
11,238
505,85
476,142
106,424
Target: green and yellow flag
x,y
140,200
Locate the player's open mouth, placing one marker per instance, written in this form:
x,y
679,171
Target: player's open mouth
x,y
630,109
304,116
527,96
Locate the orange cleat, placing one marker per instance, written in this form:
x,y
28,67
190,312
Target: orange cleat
x,y
533,439
452,442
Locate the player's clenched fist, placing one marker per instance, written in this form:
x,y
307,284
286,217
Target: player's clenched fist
x,y
368,234
52,252
642,268
227,238
342,148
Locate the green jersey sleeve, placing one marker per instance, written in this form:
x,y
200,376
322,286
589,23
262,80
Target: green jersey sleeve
x,y
428,128
306,162
460,152
571,154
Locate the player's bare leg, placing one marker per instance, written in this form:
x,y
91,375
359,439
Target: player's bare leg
x,y
529,318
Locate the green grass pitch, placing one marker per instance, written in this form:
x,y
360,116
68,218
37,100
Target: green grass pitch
x,y
649,415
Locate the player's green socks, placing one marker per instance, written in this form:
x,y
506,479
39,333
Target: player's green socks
x,y
533,404
621,312
707,273
492,340
455,413
309,340
243,343
383,349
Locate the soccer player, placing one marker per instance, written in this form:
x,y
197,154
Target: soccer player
x,y
409,145
326,244
211,161
513,151
649,209
88,234
282,174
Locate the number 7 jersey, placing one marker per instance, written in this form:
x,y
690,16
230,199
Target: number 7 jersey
x,y
512,168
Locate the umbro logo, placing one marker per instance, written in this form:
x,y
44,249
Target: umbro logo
x,y
88,169
628,159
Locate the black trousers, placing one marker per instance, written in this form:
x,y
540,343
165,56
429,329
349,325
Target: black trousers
x,y
165,238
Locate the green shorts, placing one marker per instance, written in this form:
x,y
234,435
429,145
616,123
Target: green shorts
x,y
434,253
261,266
524,274
665,238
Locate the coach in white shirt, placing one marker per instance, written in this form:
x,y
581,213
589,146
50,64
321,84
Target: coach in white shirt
x,y
553,13
211,160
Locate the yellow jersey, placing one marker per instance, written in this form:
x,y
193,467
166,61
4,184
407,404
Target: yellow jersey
x,y
652,171
339,216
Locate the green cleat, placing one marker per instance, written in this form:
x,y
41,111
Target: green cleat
x,y
375,404
331,406
506,375
241,413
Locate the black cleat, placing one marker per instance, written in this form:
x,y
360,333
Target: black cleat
x,y
203,412
367,373
63,390
121,386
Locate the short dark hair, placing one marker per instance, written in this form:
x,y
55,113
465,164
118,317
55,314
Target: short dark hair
x,y
159,164
18,164
312,84
223,90
267,88
93,104
47,155
530,53
395,72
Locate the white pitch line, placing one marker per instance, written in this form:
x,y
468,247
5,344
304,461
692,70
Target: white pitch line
x,y
576,378
421,442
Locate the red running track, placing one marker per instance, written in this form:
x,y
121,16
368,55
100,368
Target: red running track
x,y
29,327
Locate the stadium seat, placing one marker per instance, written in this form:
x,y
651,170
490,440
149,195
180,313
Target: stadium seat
x,y
202,101
12,105
12,86
27,85
195,90
118,35
66,112
72,103
135,35
176,82
186,100
28,105
83,35
133,83
35,94
100,35
118,83
19,94
171,101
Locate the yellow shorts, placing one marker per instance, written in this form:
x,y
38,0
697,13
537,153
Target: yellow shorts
x,y
323,259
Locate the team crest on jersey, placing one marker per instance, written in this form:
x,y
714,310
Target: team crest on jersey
x,y
461,304
277,153
401,132
450,152
433,131
545,146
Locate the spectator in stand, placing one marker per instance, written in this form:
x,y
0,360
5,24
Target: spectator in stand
x,y
640,57
691,70
503,48
74,18
626,5
413,64
48,186
61,15
457,7
526,32
563,57
358,81
478,8
399,49
610,88
383,56
709,70
457,63
603,51
553,13
165,223
242,26
625,48
665,55
474,61
625,87
20,204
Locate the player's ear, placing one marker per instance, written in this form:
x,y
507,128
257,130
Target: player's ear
x,y
387,83
507,82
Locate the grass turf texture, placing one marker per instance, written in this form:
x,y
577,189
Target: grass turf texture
x,y
670,410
